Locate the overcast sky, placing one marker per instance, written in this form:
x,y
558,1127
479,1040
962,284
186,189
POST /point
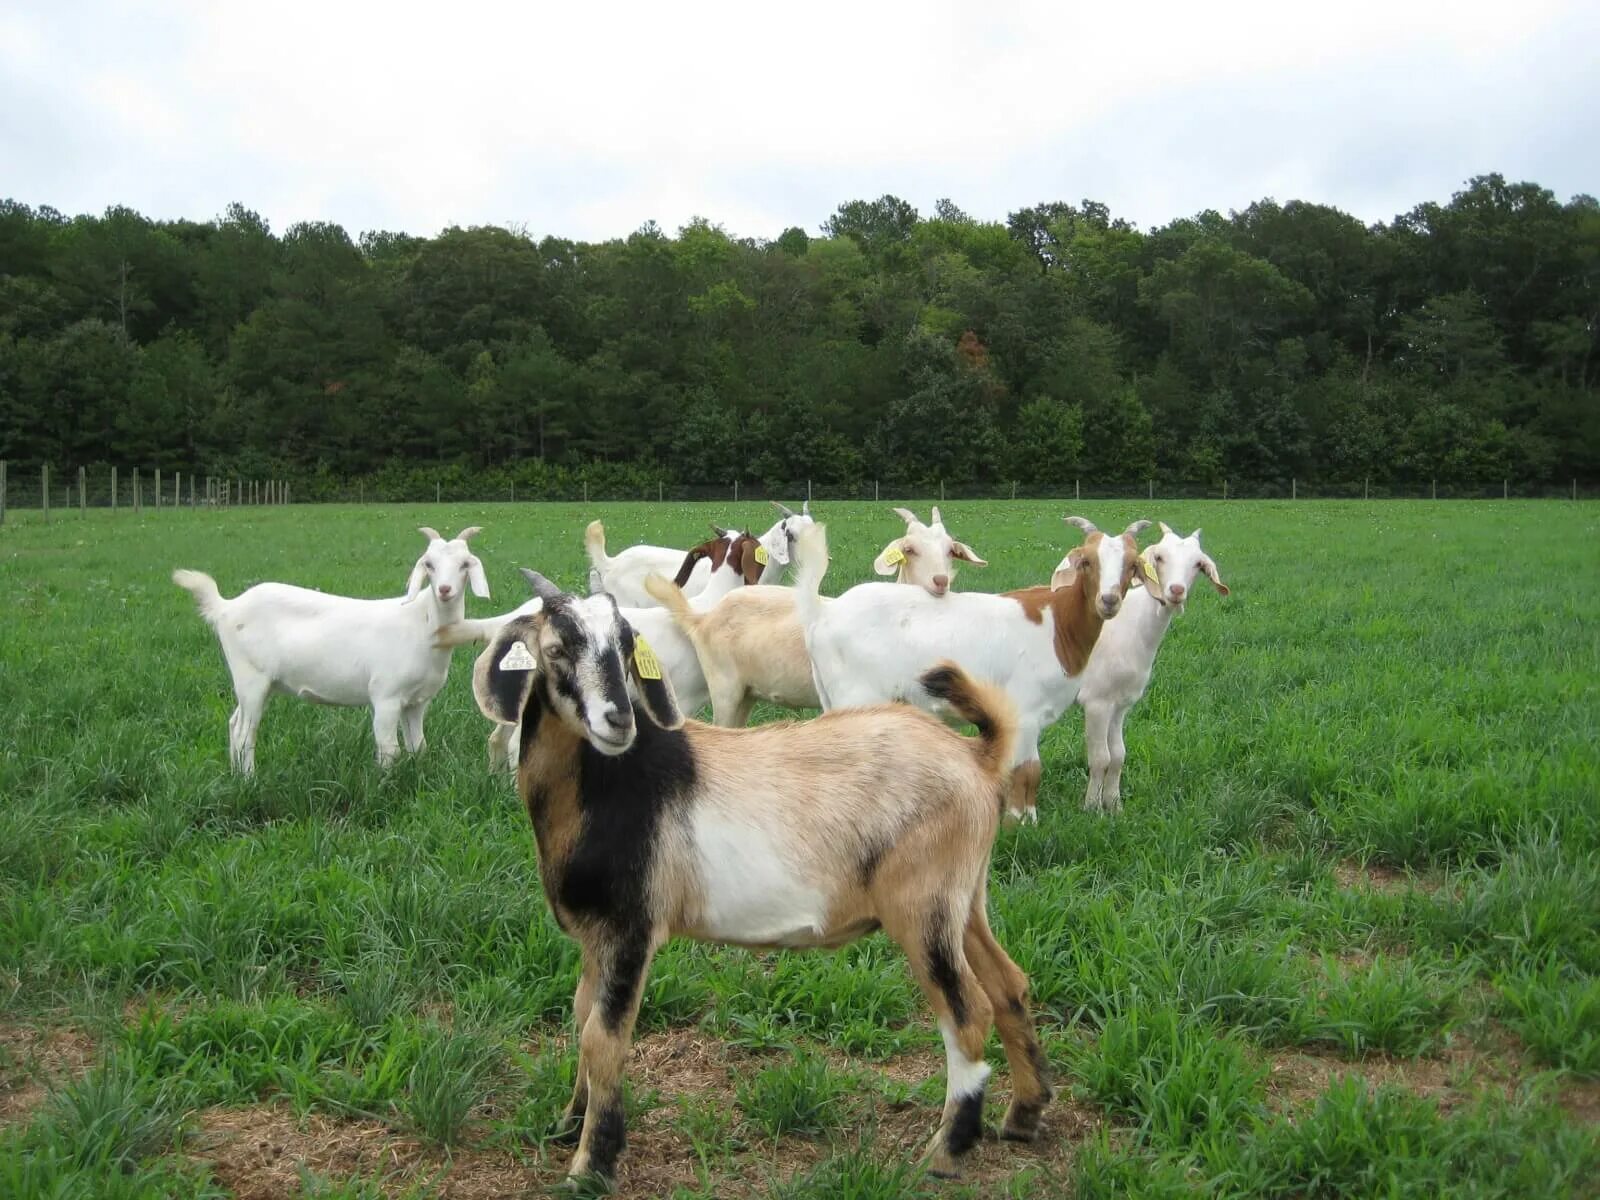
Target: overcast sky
x,y
585,119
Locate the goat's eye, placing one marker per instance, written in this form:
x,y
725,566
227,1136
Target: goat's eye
x,y
1158,558
554,651
910,551
428,563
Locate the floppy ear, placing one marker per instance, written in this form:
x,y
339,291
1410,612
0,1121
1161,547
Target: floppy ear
x,y
749,567
504,675
776,540
475,576
965,552
1209,570
419,578
888,562
1066,574
1145,572
687,569
651,684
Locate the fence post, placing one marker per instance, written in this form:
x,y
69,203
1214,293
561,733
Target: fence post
x,y
661,491
113,489
438,490
83,493
2,491
808,491
941,491
1505,489
1435,489
361,492
44,487
736,491
1224,489
1013,489
177,489
1366,487
1574,489
586,491
874,489
1077,489
138,496
1152,489
1294,489
191,489
158,487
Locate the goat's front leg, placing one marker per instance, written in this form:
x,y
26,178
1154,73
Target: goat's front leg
x,y
1023,802
1096,733
1111,789
569,1127
385,717
623,957
411,726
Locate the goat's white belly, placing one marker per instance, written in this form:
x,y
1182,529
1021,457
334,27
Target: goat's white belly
x,y
752,893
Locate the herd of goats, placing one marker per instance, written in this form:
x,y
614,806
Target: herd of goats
x,y
874,815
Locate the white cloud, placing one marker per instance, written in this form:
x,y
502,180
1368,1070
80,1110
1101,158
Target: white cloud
x,y
588,120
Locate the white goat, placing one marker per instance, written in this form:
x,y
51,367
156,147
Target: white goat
x,y
872,644
924,554
751,645
1119,667
623,574
672,646
341,650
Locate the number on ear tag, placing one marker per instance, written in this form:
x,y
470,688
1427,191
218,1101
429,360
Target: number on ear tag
x,y
517,659
645,660
1149,572
761,555
894,556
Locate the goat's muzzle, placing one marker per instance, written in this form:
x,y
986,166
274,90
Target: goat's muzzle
x,y
1109,604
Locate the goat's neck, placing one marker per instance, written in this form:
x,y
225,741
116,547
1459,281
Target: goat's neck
x,y
1077,624
547,778
439,613
1148,617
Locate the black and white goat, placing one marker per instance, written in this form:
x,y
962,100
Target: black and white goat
x,y
807,834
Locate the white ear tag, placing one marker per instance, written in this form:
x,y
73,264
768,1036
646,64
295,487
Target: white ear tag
x,y
518,659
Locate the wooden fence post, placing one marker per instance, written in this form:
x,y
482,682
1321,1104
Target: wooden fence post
x,y
736,491
438,490
1224,489
44,488
83,492
1574,489
361,492
158,488
808,492
177,489
586,491
1152,489
1505,489
1366,487
113,489
941,491
191,489
874,489
1435,489
1013,489
1077,489
1294,489
138,497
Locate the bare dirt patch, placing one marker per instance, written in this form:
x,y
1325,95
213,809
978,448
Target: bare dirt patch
x,y
1375,877
32,1061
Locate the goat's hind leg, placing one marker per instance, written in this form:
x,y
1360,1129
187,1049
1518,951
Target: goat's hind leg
x,y
252,690
1007,988
933,941
622,957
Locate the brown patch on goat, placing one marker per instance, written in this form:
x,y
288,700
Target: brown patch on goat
x,y
1076,619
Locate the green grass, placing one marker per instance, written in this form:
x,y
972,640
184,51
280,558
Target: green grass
x,y
1407,685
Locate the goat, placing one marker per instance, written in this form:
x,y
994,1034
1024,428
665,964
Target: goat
x,y
340,650
671,645
803,835
925,554
871,645
623,575
752,647
1119,667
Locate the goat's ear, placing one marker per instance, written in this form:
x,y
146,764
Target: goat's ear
x,y
889,560
1144,571
418,580
1209,570
651,684
776,540
749,566
906,515
967,554
689,560
476,577
1066,573
505,673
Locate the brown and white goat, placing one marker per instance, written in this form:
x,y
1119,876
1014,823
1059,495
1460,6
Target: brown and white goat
x,y
623,575
808,834
870,645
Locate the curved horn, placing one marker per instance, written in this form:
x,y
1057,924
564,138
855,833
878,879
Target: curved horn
x,y
906,515
1135,527
469,532
718,530
1166,530
429,532
540,586
783,508
937,519
1082,523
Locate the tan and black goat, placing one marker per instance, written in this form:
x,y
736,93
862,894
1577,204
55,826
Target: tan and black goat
x,y
810,834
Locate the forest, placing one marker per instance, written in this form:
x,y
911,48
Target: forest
x,y
1457,342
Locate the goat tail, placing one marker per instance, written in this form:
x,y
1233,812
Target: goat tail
x,y
466,632
670,596
594,541
810,565
204,590
982,704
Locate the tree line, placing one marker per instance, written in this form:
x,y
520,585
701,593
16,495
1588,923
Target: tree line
x,y
1457,342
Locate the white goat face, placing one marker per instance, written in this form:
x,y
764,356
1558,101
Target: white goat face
x,y
780,539
1175,561
449,567
925,555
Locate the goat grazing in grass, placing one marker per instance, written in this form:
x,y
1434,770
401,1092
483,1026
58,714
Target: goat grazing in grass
x,y
788,834
872,644
1120,665
340,650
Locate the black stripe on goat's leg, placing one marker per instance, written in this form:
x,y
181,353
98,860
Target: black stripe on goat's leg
x,y
603,1046
569,1127
963,1013
1007,988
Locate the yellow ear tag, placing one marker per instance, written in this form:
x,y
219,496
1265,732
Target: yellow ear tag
x,y
761,555
894,556
1149,572
645,660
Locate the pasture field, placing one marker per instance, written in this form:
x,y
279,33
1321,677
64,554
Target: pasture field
x,y
1344,940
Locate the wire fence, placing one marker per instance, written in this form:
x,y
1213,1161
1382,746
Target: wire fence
x,y
46,493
